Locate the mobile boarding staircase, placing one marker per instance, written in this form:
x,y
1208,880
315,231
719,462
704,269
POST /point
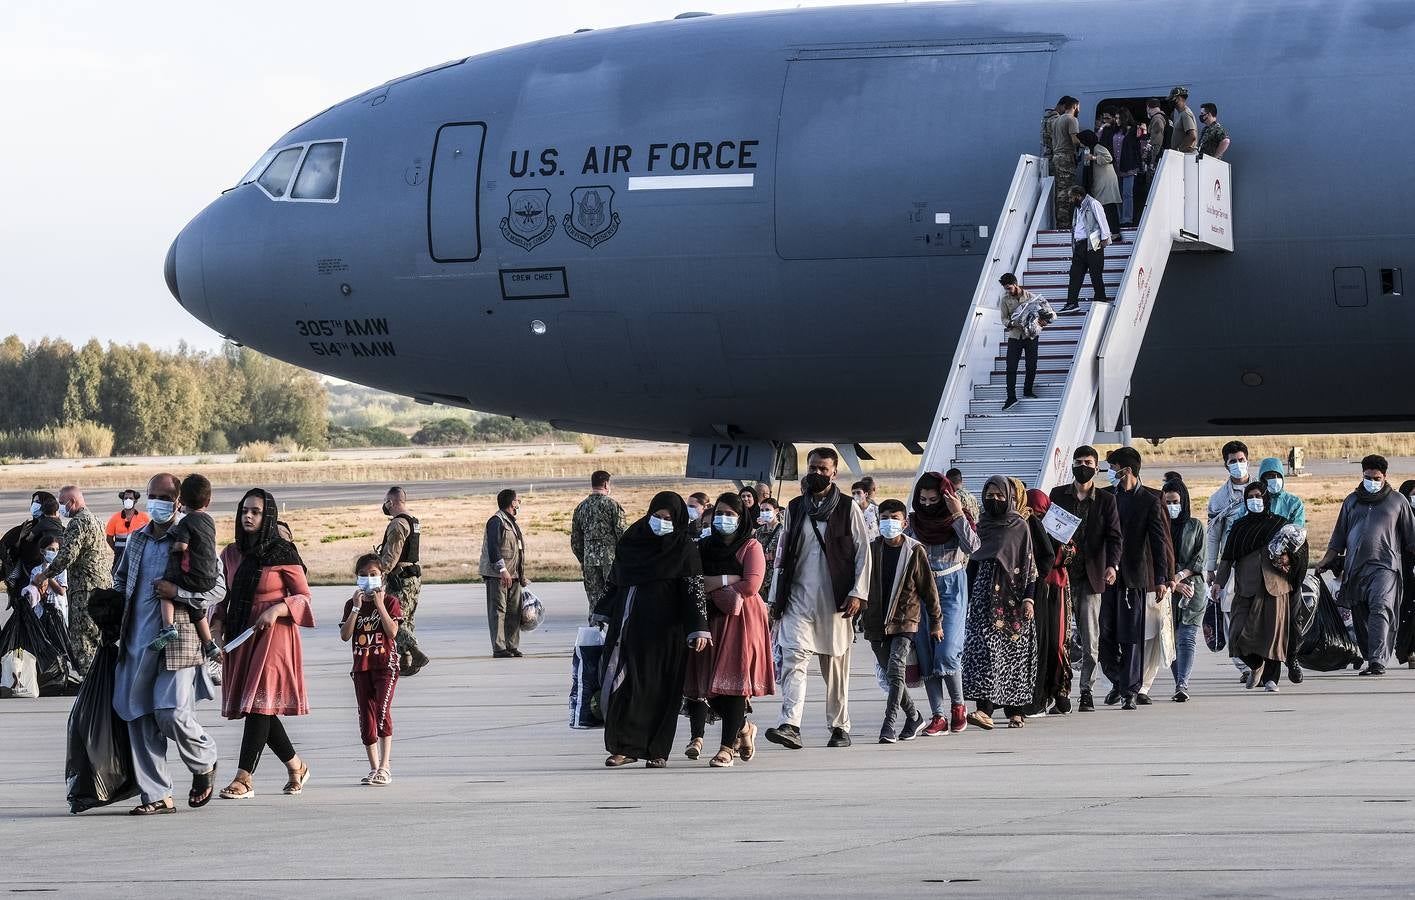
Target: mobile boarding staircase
x,y
1086,357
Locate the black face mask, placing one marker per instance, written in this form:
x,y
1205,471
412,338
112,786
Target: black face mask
x,y
1083,474
815,483
995,508
386,510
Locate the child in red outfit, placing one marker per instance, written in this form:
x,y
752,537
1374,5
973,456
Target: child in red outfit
x,y
371,621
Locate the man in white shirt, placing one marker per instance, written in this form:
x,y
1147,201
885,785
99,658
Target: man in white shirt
x,y
1090,235
1225,508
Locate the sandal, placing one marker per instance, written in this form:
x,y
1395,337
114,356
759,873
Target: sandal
x,y
160,808
980,719
659,763
368,779
238,790
723,759
381,777
296,784
618,760
748,742
1017,722
694,748
203,786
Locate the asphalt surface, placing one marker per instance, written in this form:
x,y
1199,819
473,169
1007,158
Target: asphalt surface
x,y
1302,794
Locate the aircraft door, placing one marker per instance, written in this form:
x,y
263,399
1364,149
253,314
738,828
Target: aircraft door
x,y
453,230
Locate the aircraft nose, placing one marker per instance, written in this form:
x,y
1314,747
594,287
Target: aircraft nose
x,y
183,272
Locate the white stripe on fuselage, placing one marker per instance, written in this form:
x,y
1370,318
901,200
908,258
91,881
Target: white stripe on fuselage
x,y
675,182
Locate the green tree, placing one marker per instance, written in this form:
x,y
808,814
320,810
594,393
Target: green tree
x,y
443,433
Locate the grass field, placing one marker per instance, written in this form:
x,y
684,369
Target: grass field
x,y
331,539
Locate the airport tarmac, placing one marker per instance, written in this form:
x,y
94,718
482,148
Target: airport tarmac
x,y
1305,793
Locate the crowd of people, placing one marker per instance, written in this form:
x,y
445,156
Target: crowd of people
x,y
980,603
708,605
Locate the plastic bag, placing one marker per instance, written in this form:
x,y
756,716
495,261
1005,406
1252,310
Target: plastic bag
x,y
585,678
19,675
1215,635
99,766
1327,646
532,610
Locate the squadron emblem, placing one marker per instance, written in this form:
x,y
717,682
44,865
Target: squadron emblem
x,y
592,219
528,222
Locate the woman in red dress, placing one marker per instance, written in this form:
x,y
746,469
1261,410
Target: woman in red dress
x,y
264,677
738,666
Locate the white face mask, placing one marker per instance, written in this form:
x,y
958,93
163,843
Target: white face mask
x,y
1255,504
705,533
1174,509
161,511
1238,470
694,512
1274,485
50,555
725,524
765,516
129,503
1412,501
64,510
889,529
370,583
659,526
1371,485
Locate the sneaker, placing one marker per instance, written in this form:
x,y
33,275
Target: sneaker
x,y
1062,706
1250,680
958,718
839,737
1030,396
788,736
937,725
1270,687
1143,699
166,634
1180,696
1071,307
212,652
1128,702
1294,674
887,736
1113,697
912,727
1011,402
1246,677
1373,669
1087,704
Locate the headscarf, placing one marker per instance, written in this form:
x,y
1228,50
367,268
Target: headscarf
x,y
643,557
1284,503
934,524
1252,532
1406,487
1176,526
719,551
259,549
1019,497
1004,539
1040,503
750,490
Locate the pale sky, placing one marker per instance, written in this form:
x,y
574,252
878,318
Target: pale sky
x,y
126,118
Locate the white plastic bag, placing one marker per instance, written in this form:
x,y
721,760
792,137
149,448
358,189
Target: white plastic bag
x,y
532,610
19,675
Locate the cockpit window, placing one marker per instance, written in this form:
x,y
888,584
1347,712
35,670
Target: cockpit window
x,y
319,175
276,177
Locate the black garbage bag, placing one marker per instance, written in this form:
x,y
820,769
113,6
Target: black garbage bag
x,y
99,765
25,631
1327,646
105,608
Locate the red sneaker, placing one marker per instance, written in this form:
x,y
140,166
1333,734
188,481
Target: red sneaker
x,y
938,725
960,718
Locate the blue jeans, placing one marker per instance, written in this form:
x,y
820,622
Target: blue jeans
x,y
1127,199
1186,638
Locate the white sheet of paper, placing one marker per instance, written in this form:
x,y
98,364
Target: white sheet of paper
x,y
1059,523
240,639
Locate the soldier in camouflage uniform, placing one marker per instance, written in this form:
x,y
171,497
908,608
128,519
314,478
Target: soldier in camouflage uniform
x,y
1064,129
595,530
399,560
84,554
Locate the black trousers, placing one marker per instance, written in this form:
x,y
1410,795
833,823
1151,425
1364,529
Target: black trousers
x,y
1112,218
1270,669
1015,348
262,731
1085,261
731,710
1122,637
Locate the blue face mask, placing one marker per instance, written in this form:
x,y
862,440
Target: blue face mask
x,y
890,529
35,510
370,583
1238,470
1371,485
1114,477
725,524
1174,509
1274,485
50,555
161,511
1255,504
659,526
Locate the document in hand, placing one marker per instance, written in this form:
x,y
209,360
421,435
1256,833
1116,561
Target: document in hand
x,y
240,639
1060,524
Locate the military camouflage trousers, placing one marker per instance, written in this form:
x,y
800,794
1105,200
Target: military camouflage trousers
x,y
408,600
84,636
596,582
1063,170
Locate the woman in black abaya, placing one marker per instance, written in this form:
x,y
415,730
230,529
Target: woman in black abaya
x,y
656,611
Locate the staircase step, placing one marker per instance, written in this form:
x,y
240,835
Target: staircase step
x,y
977,472
1048,405
987,393
999,376
1015,419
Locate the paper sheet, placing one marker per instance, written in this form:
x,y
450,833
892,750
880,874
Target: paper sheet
x,y
1060,524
